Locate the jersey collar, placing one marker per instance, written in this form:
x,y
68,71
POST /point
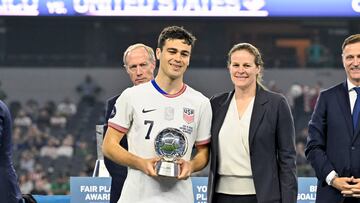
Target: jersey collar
x,y
161,91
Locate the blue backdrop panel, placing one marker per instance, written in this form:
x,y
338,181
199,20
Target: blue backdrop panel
x,y
97,190
52,198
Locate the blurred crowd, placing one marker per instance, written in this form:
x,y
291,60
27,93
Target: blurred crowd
x,y
49,146
302,99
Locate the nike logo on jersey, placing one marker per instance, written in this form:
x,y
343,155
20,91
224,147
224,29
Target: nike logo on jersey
x,y
147,111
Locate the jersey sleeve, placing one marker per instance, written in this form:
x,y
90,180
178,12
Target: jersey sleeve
x,y
121,116
204,124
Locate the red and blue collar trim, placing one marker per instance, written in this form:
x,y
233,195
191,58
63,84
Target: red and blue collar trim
x,y
161,91
153,82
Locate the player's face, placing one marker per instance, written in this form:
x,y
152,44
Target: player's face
x,y
243,70
174,58
139,67
351,62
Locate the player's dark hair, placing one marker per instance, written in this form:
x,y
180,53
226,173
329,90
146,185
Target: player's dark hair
x,y
176,32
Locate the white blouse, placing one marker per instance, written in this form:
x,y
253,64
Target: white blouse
x,y
234,154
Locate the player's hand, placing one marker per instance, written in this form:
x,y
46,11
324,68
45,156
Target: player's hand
x,y
148,166
185,169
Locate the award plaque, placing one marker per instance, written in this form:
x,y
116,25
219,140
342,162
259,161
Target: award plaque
x,y
170,145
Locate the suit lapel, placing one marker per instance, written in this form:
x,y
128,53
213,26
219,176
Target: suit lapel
x,y
257,113
345,107
357,130
356,134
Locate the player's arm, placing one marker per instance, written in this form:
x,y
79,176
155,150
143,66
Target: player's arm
x,y
118,154
201,158
199,162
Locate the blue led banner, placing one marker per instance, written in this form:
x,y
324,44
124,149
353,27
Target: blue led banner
x,y
97,190
215,8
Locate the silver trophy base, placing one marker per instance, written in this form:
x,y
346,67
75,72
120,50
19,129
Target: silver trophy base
x,y
167,168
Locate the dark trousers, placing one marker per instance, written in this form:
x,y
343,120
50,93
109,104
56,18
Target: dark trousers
x,y
117,182
224,198
351,200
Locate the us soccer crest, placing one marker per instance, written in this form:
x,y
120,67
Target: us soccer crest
x,y
188,115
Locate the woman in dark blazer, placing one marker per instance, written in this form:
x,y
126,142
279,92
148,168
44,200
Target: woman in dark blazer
x,y
253,156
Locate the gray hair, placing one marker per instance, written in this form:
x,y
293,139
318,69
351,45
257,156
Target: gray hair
x,y
148,49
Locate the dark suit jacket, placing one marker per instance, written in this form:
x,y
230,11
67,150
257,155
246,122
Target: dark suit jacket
x,y
9,188
118,172
271,142
332,143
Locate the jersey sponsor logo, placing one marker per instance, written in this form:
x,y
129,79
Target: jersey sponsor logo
x,y
188,115
113,112
169,113
148,110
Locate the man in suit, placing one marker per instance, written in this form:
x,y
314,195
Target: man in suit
x,y
9,188
139,62
333,145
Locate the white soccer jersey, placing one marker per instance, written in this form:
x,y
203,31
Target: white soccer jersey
x,y
142,112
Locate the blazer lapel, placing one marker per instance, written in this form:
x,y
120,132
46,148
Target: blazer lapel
x,y
345,107
257,113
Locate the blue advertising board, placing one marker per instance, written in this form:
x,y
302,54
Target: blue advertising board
x,y
194,8
90,190
97,190
200,189
306,190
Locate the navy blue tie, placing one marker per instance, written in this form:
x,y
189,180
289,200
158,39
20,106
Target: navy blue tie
x,y
356,109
